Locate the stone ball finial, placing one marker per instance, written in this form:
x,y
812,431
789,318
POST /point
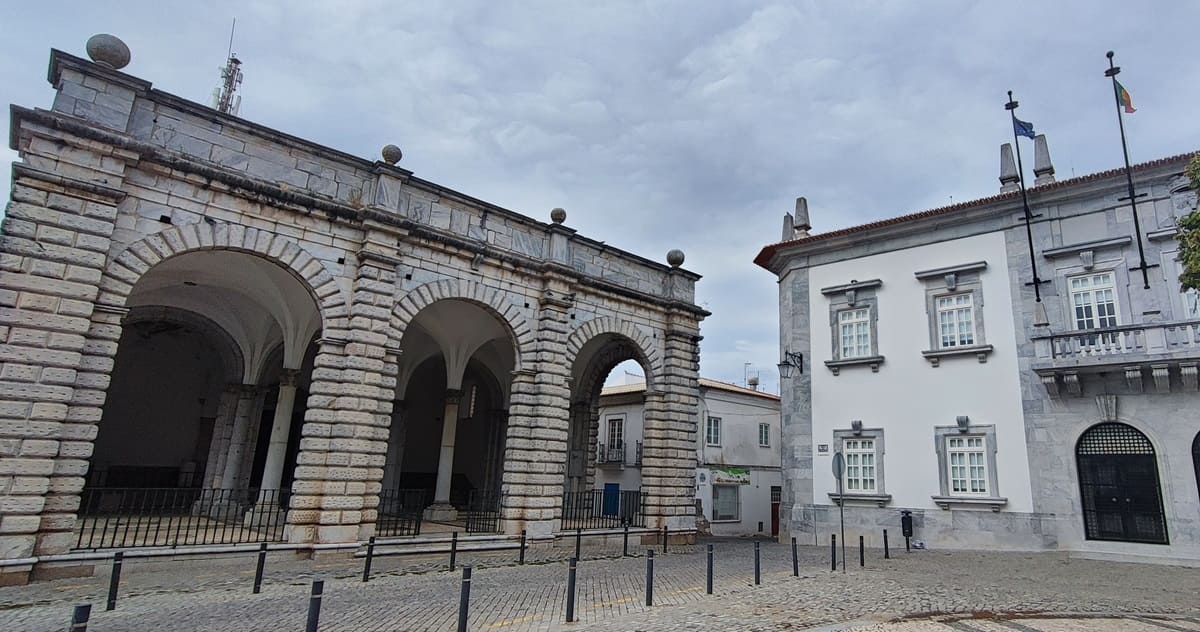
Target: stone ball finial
x,y
675,257
108,50
392,154
558,215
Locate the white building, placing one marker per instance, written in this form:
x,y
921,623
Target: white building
x,y
920,351
738,478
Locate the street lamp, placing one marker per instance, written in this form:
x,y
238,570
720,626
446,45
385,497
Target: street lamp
x,y
790,362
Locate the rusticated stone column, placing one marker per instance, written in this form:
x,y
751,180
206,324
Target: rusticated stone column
x,y
538,420
339,470
669,435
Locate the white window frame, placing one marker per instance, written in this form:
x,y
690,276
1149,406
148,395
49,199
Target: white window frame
x,y
985,435
616,422
1090,292
737,496
712,431
860,456
953,311
764,435
854,324
967,465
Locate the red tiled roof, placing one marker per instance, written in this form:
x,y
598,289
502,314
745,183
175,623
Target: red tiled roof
x,y
765,255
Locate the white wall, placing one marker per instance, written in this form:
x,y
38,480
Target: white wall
x,y
754,500
630,477
740,416
908,396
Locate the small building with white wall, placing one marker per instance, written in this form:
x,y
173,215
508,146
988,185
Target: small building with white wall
x,y
738,479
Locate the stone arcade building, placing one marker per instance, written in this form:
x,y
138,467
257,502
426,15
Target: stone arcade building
x,y
189,300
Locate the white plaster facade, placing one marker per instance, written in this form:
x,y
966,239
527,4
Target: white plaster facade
x,y
1044,400
338,318
738,461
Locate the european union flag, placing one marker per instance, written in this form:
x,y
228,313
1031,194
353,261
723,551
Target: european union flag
x,y
1022,128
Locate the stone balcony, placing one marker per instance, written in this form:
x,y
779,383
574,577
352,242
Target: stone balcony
x,y
1153,350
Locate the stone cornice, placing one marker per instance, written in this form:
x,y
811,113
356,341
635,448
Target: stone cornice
x,y
853,285
71,184
1074,249
974,266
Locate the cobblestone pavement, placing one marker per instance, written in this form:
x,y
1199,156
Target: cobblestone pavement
x,y
411,594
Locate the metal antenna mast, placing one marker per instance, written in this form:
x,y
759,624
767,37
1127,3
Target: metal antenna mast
x,y
225,98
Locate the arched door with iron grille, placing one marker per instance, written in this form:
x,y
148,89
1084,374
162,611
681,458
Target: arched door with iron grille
x,y
1119,487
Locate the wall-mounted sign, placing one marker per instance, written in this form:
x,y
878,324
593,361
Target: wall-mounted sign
x,y
731,476
823,449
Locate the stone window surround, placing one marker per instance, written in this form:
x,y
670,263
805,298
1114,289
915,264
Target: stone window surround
x,y
1171,269
1086,264
945,499
853,295
761,443
949,281
880,497
738,505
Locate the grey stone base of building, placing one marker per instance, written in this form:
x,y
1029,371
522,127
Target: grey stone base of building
x,y
933,528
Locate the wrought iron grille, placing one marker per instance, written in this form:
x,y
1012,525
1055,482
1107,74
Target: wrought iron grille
x,y
603,509
482,514
400,512
1119,486
133,517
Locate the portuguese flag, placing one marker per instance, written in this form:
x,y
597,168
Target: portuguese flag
x,y
1123,97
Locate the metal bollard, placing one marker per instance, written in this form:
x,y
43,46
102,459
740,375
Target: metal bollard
x,y
649,577
578,541
907,545
757,566
862,552
114,582
258,570
571,590
795,560
625,542
367,562
665,536
464,599
833,551
453,548
886,554
79,618
314,605
521,560
708,585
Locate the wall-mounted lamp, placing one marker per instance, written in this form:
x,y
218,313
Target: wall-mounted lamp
x,y
964,423
791,361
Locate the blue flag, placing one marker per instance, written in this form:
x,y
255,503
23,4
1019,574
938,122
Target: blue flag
x,y
1022,128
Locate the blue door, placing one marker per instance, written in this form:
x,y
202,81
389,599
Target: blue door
x,y
612,498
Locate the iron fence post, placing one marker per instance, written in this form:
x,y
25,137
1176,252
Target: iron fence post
x,y
367,562
114,581
708,578
649,577
79,618
521,560
795,560
453,548
258,569
571,590
464,599
314,605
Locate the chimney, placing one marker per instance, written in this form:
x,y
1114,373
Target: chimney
x,y
1043,171
1008,170
801,221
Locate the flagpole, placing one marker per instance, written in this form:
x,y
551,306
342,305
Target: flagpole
x,y
1011,106
1112,73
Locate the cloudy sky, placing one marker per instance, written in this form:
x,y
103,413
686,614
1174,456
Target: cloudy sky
x,y
670,124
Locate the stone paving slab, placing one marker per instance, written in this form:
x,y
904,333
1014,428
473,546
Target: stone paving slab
x,y
411,595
